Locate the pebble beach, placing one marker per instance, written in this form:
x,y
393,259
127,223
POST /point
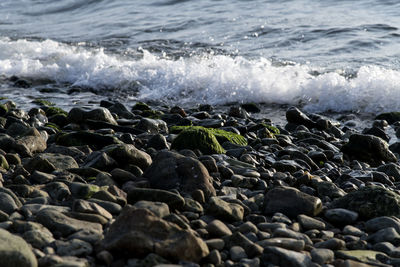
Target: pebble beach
x,y
142,185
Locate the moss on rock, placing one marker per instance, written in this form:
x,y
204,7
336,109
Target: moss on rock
x,y
42,102
50,111
370,202
198,138
221,135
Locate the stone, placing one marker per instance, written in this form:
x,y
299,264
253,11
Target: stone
x,y
7,203
158,142
388,234
38,238
158,208
291,202
49,162
78,115
74,247
173,200
283,232
217,228
378,223
322,255
308,223
238,239
84,138
215,243
368,148
152,126
341,216
80,205
172,170
224,210
390,169
283,242
126,154
284,257
296,116
370,202
365,256
55,221
139,232
198,138
14,251
237,253
332,243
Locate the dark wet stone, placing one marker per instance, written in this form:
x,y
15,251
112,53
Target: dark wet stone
x,y
291,202
126,154
139,232
284,257
172,170
368,148
173,200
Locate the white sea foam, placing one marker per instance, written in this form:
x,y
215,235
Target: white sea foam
x,y
216,79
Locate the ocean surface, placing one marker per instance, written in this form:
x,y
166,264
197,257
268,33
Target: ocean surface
x,y
323,55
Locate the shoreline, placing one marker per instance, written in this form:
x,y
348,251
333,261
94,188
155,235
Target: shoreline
x,y
140,185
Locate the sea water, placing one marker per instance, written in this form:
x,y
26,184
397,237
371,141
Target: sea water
x,y
323,55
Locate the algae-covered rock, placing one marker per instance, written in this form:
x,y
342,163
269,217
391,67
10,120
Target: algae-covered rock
x,y
197,138
221,135
370,202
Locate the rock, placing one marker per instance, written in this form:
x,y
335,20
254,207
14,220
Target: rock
x,y
7,203
284,257
82,190
238,239
332,243
158,141
158,208
237,253
379,223
291,202
74,247
80,205
322,255
365,256
57,222
84,138
126,154
368,148
152,126
78,115
172,170
14,251
139,232
283,242
174,201
388,234
390,169
390,117
341,216
197,138
370,202
49,162
295,116
101,161
39,238
217,228
308,223
224,210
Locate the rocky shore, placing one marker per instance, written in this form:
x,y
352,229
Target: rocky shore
x,y
167,186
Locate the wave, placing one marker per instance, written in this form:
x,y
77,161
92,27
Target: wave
x,y
213,79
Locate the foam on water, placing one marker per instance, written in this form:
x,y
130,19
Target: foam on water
x,y
214,79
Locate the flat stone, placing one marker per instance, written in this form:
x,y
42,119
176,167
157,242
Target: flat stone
x,y
14,251
38,238
80,205
385,235
215,243
308,223
382,222
341,216
7,203
57,222
333,244
284,257
282,232
291,202
283,242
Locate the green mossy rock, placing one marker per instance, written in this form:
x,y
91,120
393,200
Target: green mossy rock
x,y
370,202
141,106
197,138
42,102
50,111
221,135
